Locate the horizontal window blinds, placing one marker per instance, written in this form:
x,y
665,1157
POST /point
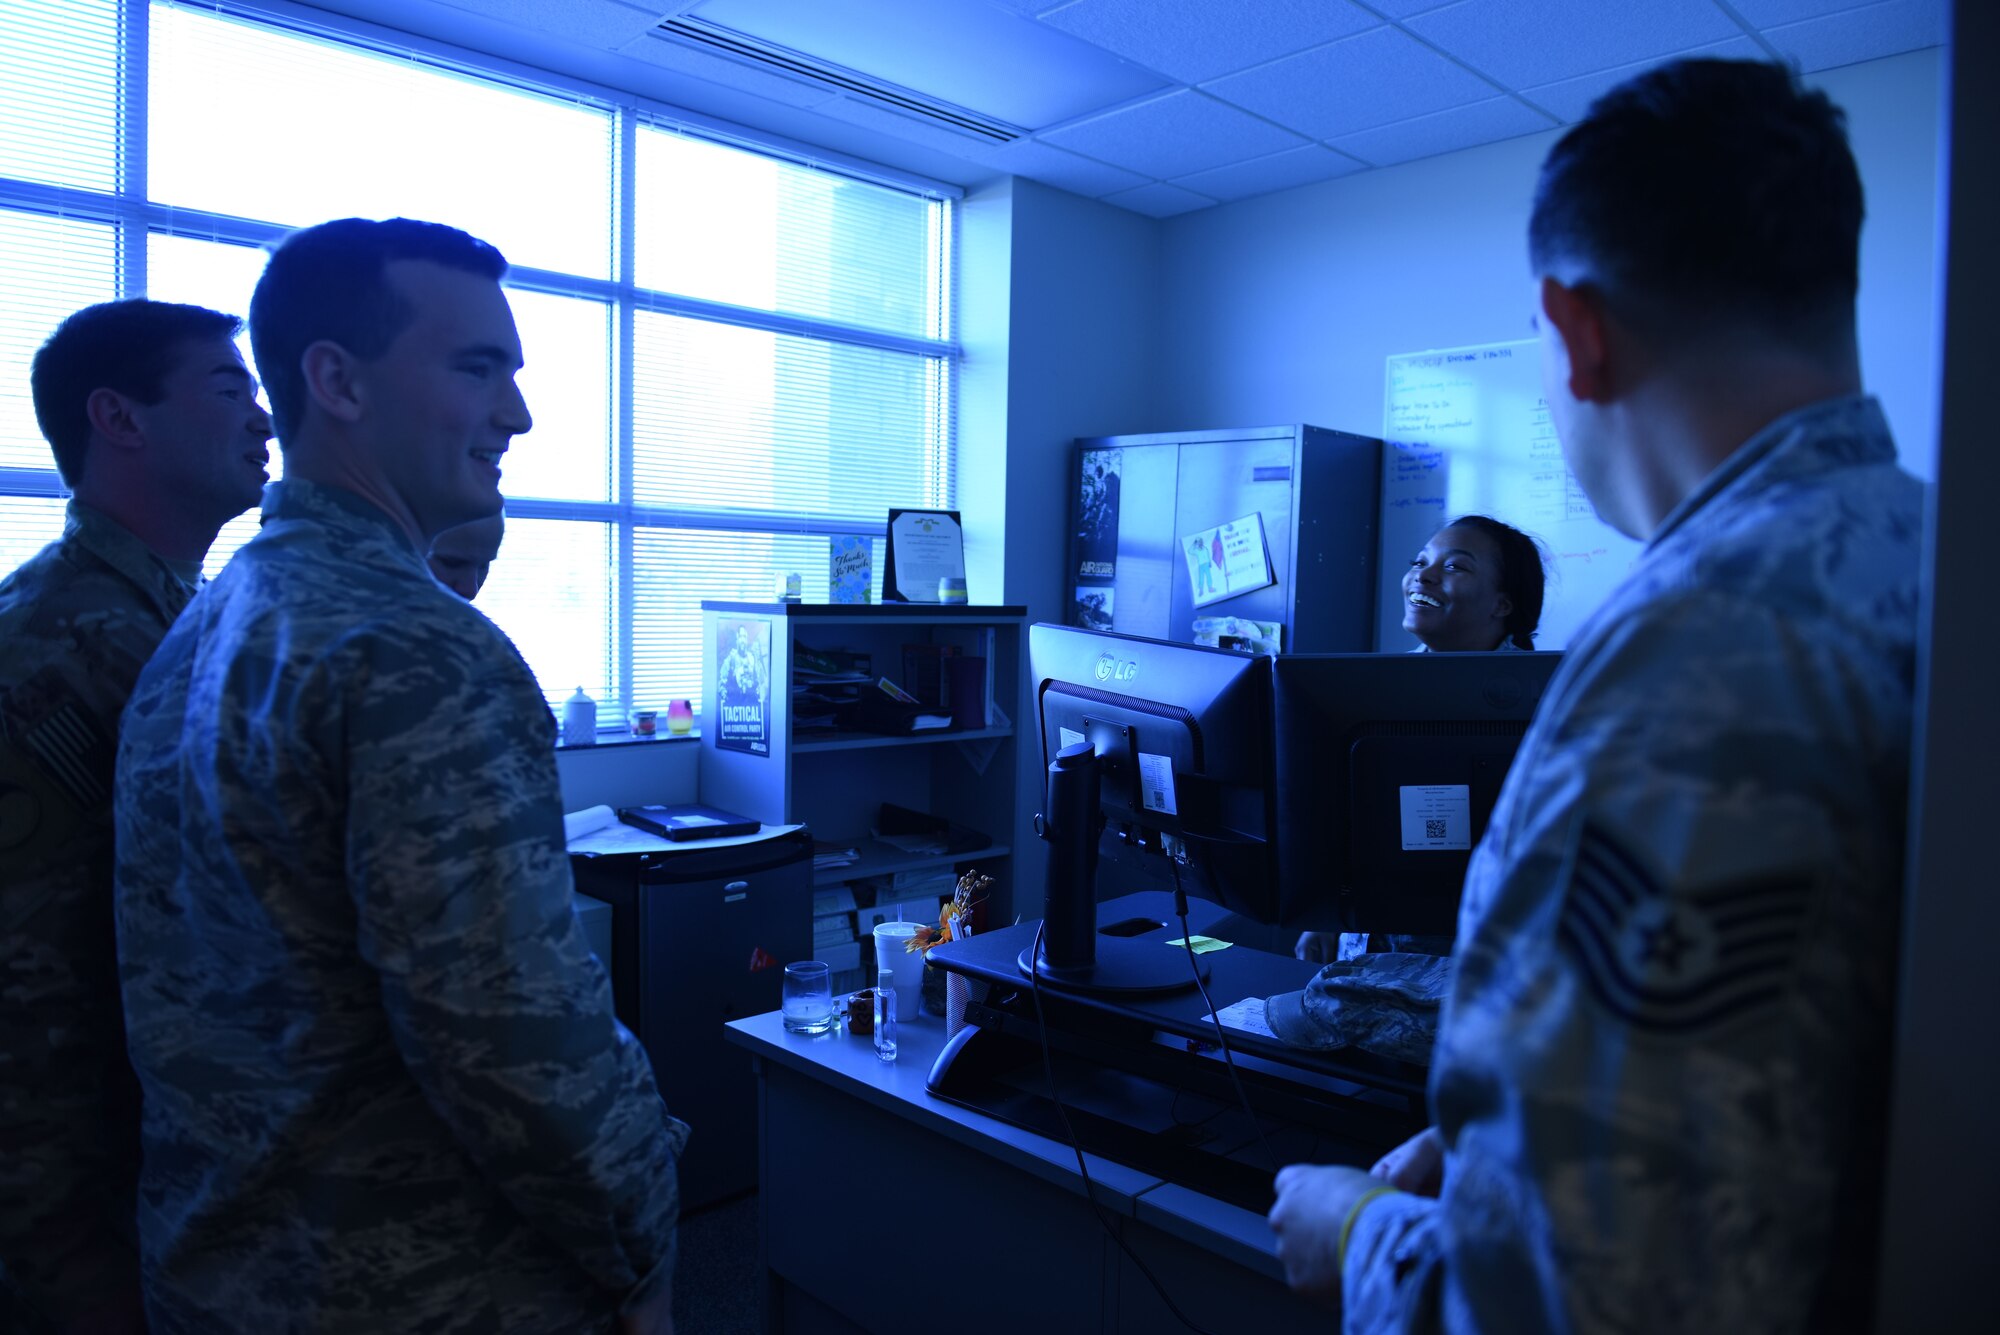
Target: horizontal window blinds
x,y
769,365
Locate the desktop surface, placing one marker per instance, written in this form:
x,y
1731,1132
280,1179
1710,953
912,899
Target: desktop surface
x,y
1239,973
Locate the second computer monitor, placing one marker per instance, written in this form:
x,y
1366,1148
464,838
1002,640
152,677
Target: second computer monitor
x,y
1388,766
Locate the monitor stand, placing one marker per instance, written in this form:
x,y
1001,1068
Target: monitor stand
x,y
1069,952
1120,965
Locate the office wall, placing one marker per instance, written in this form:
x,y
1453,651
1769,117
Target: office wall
x,y
1282,308
1059,318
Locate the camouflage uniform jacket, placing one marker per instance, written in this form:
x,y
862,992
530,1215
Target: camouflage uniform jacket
x,y
1662,1068
77,622
384,1090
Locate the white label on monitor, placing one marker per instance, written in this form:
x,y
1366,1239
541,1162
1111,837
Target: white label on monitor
x,y
1156,784
1437,816
1067,737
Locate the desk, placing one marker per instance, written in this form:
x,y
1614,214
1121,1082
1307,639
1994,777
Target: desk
x,y
885,1210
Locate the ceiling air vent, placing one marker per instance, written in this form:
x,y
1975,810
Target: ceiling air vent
x,y
798,65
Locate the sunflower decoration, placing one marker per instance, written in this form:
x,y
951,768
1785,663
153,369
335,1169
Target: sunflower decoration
x,y
954,924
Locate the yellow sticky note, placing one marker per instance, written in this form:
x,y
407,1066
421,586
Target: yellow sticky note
x,y
1201,944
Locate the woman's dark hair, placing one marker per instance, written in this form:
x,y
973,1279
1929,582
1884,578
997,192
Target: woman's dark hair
x,y
1523,571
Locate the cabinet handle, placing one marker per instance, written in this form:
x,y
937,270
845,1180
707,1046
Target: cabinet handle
x,y
734,891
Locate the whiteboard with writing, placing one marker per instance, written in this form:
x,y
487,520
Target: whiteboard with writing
x,y
1466,431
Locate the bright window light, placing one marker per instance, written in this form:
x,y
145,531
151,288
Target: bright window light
x,y
772,368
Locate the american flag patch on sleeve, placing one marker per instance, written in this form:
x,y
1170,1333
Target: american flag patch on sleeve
x,y
1678,963
73,753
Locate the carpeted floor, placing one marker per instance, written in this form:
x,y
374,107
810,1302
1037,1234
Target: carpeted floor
x,y
717,1283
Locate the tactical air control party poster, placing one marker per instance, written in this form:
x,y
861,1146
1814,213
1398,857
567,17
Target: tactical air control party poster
x,y
743,685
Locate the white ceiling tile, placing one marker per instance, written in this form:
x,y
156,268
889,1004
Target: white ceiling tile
x,y
913,129
1523,42
1868,33
1196,40
1570,99
1353,84
964,52
605,23
1770,13
658,49
1159,200
1444,132
1279,171
1054,166
1174,135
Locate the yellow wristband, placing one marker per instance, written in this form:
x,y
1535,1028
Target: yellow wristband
x,y
1354,1213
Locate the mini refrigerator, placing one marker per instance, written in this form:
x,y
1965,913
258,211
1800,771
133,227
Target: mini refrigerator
x,y
700,937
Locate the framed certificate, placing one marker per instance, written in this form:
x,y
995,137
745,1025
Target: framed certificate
x,y
925,546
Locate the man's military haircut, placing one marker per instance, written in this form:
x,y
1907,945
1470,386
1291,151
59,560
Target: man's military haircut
x,y
384,1087
77,622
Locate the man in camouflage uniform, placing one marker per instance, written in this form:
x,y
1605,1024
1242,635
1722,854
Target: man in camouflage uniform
x,y
1660,1085
157,432
384,1090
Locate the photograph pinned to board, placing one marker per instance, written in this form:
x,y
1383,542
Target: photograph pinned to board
x,y
1227,560
850,568
1097,514
1240,634
925,546
1091,608
743,685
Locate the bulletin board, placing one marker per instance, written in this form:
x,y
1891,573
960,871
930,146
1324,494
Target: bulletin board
x,y
1465,430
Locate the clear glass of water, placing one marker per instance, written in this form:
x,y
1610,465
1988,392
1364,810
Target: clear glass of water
x,y
807,1004
885,1020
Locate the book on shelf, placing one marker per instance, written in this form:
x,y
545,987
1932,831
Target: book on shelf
x,y
833,899
924,672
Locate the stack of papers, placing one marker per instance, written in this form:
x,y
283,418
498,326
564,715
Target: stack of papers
x,y
827,855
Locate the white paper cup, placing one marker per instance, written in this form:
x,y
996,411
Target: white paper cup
x,y
906,967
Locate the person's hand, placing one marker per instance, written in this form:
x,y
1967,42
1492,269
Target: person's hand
x,y
1318,947
655,1316
1416,1165
1312,1205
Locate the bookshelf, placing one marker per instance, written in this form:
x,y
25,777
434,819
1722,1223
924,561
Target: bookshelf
x,y
834,778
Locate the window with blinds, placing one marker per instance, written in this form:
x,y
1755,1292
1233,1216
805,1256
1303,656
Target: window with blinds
x,y
731,356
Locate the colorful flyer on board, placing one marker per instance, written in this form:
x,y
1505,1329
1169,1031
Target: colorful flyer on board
x,y
1227,560
743,685
850,569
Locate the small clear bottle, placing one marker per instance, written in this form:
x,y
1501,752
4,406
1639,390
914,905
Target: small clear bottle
x,y
885,1016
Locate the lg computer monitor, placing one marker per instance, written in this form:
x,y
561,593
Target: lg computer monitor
x,y
1184,735
1387,769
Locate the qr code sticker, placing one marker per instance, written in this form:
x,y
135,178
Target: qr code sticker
x,y
1433,829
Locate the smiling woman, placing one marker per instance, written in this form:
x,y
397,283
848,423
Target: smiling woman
x,y
1476,585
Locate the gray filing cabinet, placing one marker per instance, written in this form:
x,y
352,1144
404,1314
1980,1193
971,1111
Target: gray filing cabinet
x,y
700,937
1136,499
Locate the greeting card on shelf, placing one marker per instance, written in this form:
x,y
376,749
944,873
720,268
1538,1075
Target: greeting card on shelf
x,y
850,569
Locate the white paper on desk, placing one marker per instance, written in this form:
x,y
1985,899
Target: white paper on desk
x,y
622,838
1247,1015
576,823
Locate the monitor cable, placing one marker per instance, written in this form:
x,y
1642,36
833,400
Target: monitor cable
x,y
1194,963
1104,1220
